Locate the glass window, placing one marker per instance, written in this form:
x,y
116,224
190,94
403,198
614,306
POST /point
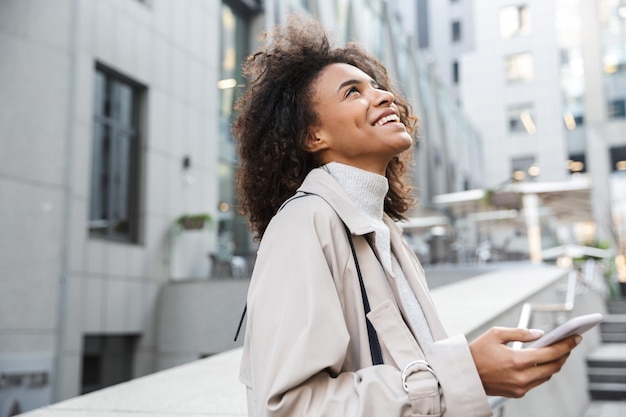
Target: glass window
x,y
618,158
524,168
422,24
514,21
519,67
456,31
521,119
299,4
614,59
115,157
617,109
577,163
574,112
613,22
455,72
232,240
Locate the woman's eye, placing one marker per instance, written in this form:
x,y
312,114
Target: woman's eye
x,y
352,90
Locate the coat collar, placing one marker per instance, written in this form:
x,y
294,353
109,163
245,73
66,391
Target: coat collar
x,y
322,184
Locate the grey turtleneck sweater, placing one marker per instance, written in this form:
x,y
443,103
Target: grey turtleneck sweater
x,y
367,191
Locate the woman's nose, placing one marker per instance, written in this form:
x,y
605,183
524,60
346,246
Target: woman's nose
x,y
384,97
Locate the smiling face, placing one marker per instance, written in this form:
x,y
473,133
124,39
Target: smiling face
x,y
358,123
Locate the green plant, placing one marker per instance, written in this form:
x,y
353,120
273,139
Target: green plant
x,y
194,221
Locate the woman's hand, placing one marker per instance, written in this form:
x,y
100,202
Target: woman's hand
x,y
512,373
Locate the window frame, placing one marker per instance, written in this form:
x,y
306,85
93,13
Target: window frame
x,y
121,127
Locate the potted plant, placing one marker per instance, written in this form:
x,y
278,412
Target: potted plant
x,y
192,241
194,221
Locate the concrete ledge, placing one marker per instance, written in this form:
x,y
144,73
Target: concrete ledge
x,y
206,387
210,387
465,307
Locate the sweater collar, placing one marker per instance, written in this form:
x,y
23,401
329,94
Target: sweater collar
x,y
367,190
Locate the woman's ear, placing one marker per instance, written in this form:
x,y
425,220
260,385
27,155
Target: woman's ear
x,y
315,142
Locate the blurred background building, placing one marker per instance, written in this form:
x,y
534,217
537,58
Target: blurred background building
x,y
544,84
117,198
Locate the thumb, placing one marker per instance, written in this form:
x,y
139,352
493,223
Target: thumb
x,y
519,335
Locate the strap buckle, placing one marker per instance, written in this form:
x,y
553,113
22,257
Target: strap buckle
x,y
416,366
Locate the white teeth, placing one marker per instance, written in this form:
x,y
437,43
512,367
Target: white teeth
x,y
386,119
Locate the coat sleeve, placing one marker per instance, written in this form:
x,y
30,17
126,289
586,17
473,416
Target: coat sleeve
x,y
462,388
296,336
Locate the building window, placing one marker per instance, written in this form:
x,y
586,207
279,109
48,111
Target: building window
x,y
299,5
617,109
618,159
614,59
577,163
524,168
423,24
114,199
519,67
456,31
521,119
574,110
514,21
233,238
572,121
455,72
107,360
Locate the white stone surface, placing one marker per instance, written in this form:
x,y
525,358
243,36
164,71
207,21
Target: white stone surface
x,y
207,387
501,290
210,387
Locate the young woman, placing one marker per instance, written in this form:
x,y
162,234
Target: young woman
x,y
324,143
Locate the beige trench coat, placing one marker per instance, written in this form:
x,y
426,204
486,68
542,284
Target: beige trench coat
x,y
306,349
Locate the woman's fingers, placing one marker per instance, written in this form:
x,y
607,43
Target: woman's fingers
x,y
512,373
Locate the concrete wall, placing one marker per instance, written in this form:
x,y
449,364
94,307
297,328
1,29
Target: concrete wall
x,y
199,318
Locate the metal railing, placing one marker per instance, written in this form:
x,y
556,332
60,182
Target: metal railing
x,y
587,278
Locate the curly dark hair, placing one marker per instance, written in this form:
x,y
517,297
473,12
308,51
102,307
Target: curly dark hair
x,y
277,110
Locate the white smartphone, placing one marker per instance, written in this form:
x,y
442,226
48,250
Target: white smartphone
x,y
576,325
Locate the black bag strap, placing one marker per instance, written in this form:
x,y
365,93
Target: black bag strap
x,y
377,356
375,351
243,314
